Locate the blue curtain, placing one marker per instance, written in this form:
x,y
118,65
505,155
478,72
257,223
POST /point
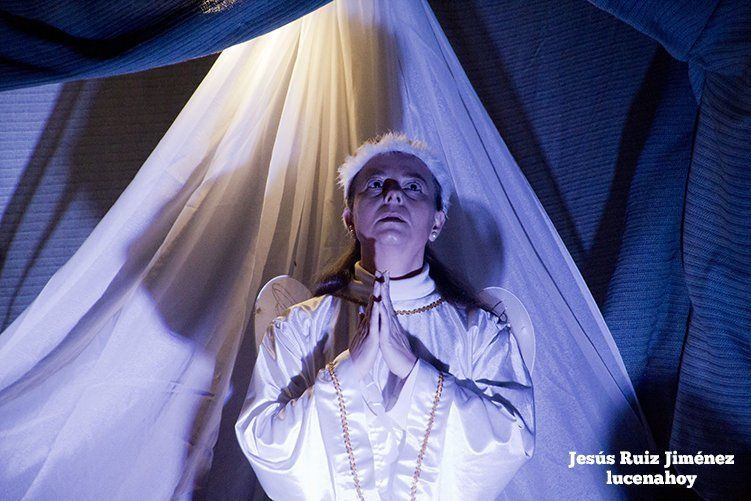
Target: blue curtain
x,y
713,401
46,41
632,122
600,121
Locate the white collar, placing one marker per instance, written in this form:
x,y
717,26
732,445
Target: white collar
x,y
402,289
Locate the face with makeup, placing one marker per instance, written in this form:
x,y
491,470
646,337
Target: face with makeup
x,y
395,203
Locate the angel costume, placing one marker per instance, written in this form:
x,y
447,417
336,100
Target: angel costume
x,y
458,427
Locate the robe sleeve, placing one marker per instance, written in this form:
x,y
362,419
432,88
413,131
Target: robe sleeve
x,y
284,430
483,429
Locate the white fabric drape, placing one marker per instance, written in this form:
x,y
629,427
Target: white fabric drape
x,y
112,381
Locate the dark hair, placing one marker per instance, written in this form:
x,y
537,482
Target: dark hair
x,y
341,271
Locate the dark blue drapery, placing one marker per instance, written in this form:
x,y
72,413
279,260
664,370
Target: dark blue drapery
x,y
46,41
636,136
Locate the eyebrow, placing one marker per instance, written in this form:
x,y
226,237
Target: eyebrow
x,y
379,172
418,176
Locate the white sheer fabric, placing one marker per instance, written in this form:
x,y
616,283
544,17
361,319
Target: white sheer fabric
x,y
112,381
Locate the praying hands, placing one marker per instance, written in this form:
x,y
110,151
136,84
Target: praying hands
x,y
379,329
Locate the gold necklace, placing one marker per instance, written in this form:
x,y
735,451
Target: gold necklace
x,y
413,311
348,441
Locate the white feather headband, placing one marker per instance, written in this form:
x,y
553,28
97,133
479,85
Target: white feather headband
x,y
395,141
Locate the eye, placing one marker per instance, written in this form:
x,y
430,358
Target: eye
x,y
414,186
375,184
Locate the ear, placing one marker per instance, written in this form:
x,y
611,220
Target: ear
x,y
438,221
347,217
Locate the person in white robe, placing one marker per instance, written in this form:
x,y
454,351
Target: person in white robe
x,y
393,382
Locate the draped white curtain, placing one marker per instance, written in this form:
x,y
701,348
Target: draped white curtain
x,y
113,381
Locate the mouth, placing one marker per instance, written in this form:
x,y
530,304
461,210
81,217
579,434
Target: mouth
x,y
394,219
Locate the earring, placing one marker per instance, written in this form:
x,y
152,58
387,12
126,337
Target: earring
x,y
351,231
433,235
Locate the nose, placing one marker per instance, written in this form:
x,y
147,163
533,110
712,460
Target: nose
x,y
392,192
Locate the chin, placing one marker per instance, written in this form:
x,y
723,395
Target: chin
x,y
392,237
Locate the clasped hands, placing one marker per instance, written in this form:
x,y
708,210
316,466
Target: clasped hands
x,y
379,329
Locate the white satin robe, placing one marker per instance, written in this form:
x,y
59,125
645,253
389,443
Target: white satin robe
x,y
290,427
